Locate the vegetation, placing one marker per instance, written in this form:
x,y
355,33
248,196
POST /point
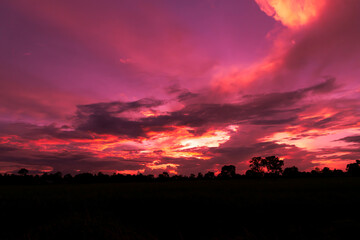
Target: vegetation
x,y
250,208
270,165
267,167
265,203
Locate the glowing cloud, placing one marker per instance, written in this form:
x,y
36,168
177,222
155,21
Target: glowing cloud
x,y
291,13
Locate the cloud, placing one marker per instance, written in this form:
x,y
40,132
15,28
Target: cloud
x,y
292,13
148,35
117,107
116,136
25,97
6,149
276,105
199,136
102,118
30,131
67,161
123,119
351,139
301,56
182,95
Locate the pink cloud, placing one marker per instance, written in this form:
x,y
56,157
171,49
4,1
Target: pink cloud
x,y
144,32
25,97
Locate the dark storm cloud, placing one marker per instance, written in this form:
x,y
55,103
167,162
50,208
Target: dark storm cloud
x,y
274,121
72,162
265,109
181,93
327,86
272,110
31,131
106,124
352,139
99,119
117,107
4,149
241,152
284,99
102,117
186,95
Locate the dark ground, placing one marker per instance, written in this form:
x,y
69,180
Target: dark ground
x,y
309,208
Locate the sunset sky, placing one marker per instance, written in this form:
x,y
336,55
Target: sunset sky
x,y
183,86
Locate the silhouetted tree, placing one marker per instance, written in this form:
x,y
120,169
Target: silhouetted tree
x,y
338,173
291,172
177,177
259,167
209,175
100,177
256,165
316,172
326,172
252,173
227,171
353,169
23,171
68,177
273,165
55,177
84,178
164,176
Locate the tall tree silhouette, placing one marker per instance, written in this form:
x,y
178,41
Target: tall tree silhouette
x,y
209,175
291,172
273,165
164,176
23,171
353,168
228,171
256,165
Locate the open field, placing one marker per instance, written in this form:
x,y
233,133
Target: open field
x,y
310,208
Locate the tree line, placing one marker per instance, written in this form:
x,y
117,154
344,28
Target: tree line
x,y
259,167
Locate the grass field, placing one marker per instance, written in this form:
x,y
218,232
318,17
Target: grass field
x,y
311,208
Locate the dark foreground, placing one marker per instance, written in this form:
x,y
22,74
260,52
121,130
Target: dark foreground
x,y
311,208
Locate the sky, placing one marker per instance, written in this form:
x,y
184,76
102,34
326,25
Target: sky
x,y
139,86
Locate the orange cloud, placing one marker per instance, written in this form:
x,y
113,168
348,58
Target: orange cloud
x,y
292,13
158,165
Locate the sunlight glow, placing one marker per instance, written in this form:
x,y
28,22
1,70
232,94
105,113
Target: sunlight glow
x,y
158,165
211,139
292,13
